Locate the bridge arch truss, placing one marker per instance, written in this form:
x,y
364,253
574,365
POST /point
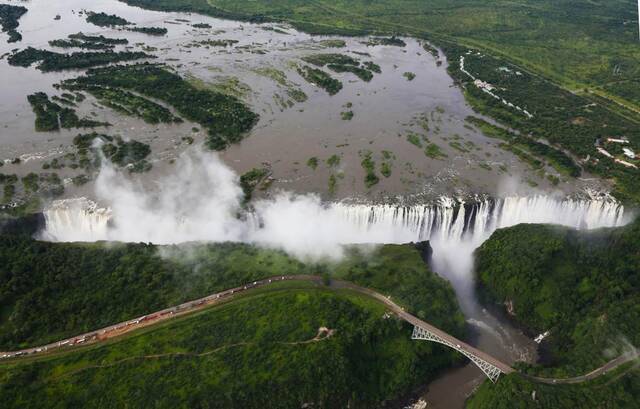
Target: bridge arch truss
x,y
491,371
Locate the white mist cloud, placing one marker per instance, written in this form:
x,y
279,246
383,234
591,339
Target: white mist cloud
x,y
201,201
198,201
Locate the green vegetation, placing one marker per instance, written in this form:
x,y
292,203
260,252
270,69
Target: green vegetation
x,y
414,139
266,349
321,79
556,158
219,42
409,76
576,43
131,154
487,167
313,162
385,169
333,161
201,25
333,43
363,74
386,41
333,184
30,182
54,290
567,121
9,187
617,390
321,60
91,147
346,115
152,31
130,104
580,286
51,116
80,40
229,85
52,61
280,78
369,166
250,180
371,66
225,117
9,16
106,20
434,151
340,63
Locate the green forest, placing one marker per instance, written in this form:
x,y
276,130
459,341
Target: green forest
x,y
225,117
618,390
51,116
9,16
569,122
54,290
89,42
583,287
52,61
273,348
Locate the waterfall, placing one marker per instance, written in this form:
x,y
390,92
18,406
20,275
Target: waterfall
x,y
450,220
447,220
77,219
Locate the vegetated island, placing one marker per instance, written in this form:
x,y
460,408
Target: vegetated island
x,y
89,42
320,78
52,61
52,117
343,63
152,31
225,117
9,16
102,19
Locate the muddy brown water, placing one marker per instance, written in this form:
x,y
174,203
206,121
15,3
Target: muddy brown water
x,y
385,109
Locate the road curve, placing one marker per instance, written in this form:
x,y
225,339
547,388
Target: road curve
x,y
191,306
609,366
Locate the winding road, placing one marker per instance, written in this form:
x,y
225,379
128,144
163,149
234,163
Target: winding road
x,y
216,298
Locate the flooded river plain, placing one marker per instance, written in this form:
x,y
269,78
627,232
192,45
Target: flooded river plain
x,y
413,130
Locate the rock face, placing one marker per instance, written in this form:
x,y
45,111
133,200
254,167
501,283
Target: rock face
x,y
510,309
28,225
425,251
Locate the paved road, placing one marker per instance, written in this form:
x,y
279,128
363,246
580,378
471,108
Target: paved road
x,y
609,366
191,306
